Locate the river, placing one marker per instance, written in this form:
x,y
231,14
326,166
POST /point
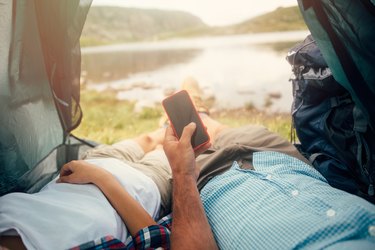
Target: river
x,y
233,70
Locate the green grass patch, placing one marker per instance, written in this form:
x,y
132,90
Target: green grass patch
x,y
276,122
108,120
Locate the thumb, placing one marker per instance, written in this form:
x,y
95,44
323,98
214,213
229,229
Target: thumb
x,y
169,134
188,132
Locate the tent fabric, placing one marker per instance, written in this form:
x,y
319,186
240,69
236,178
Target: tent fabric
x,y
39,88
62,54
345,33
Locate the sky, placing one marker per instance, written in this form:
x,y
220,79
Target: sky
x,y
212,12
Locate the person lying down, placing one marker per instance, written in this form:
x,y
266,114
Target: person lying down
x,y
127,187
124,189
256,191
255,188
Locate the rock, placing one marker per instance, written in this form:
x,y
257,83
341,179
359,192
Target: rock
x,y
141,104
274,95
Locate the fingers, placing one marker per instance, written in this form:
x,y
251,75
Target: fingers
x,y
65,172
67,169
80,172
169,134
188,132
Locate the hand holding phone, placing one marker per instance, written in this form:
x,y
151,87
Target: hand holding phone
x,y
181,111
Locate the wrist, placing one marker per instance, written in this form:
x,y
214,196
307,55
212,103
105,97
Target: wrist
x,y
100,177
185,171
184,178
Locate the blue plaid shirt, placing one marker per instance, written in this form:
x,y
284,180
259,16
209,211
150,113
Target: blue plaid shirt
x,y
285,204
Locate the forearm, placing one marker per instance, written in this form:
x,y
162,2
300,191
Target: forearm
x,y
190,228
131,212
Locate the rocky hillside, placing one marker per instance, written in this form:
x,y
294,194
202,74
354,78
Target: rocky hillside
x,y
281,19
107,25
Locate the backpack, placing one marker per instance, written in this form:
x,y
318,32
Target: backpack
x,y
333,132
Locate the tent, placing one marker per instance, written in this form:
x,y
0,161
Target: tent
x,y
39,89
40,73
345,33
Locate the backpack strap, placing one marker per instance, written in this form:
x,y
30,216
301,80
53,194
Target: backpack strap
x,y
360,127
315,156
337,101
360,121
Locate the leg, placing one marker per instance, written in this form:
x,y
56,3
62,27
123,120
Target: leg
x,y
148,142
191,85
155,165
239,144
213,127
131,150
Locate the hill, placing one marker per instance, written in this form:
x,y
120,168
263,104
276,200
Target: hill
x,y
281,19
109,25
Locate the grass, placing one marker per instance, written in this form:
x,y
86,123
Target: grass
x,y
108,120
276,122
281,19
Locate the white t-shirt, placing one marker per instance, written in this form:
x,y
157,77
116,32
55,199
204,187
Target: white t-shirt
x,y
62,215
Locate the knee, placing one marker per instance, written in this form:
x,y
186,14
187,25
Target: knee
x,y
146,142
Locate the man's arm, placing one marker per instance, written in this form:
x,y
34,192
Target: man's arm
x,y
190,228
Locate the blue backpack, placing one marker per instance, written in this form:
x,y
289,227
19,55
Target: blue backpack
x,y
333,132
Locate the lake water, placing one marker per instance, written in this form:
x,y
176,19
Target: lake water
x,y
235,70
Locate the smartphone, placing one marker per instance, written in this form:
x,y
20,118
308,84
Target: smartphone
x,y
181,111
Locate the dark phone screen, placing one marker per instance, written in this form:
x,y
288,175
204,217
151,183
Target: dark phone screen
x,y
181,112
